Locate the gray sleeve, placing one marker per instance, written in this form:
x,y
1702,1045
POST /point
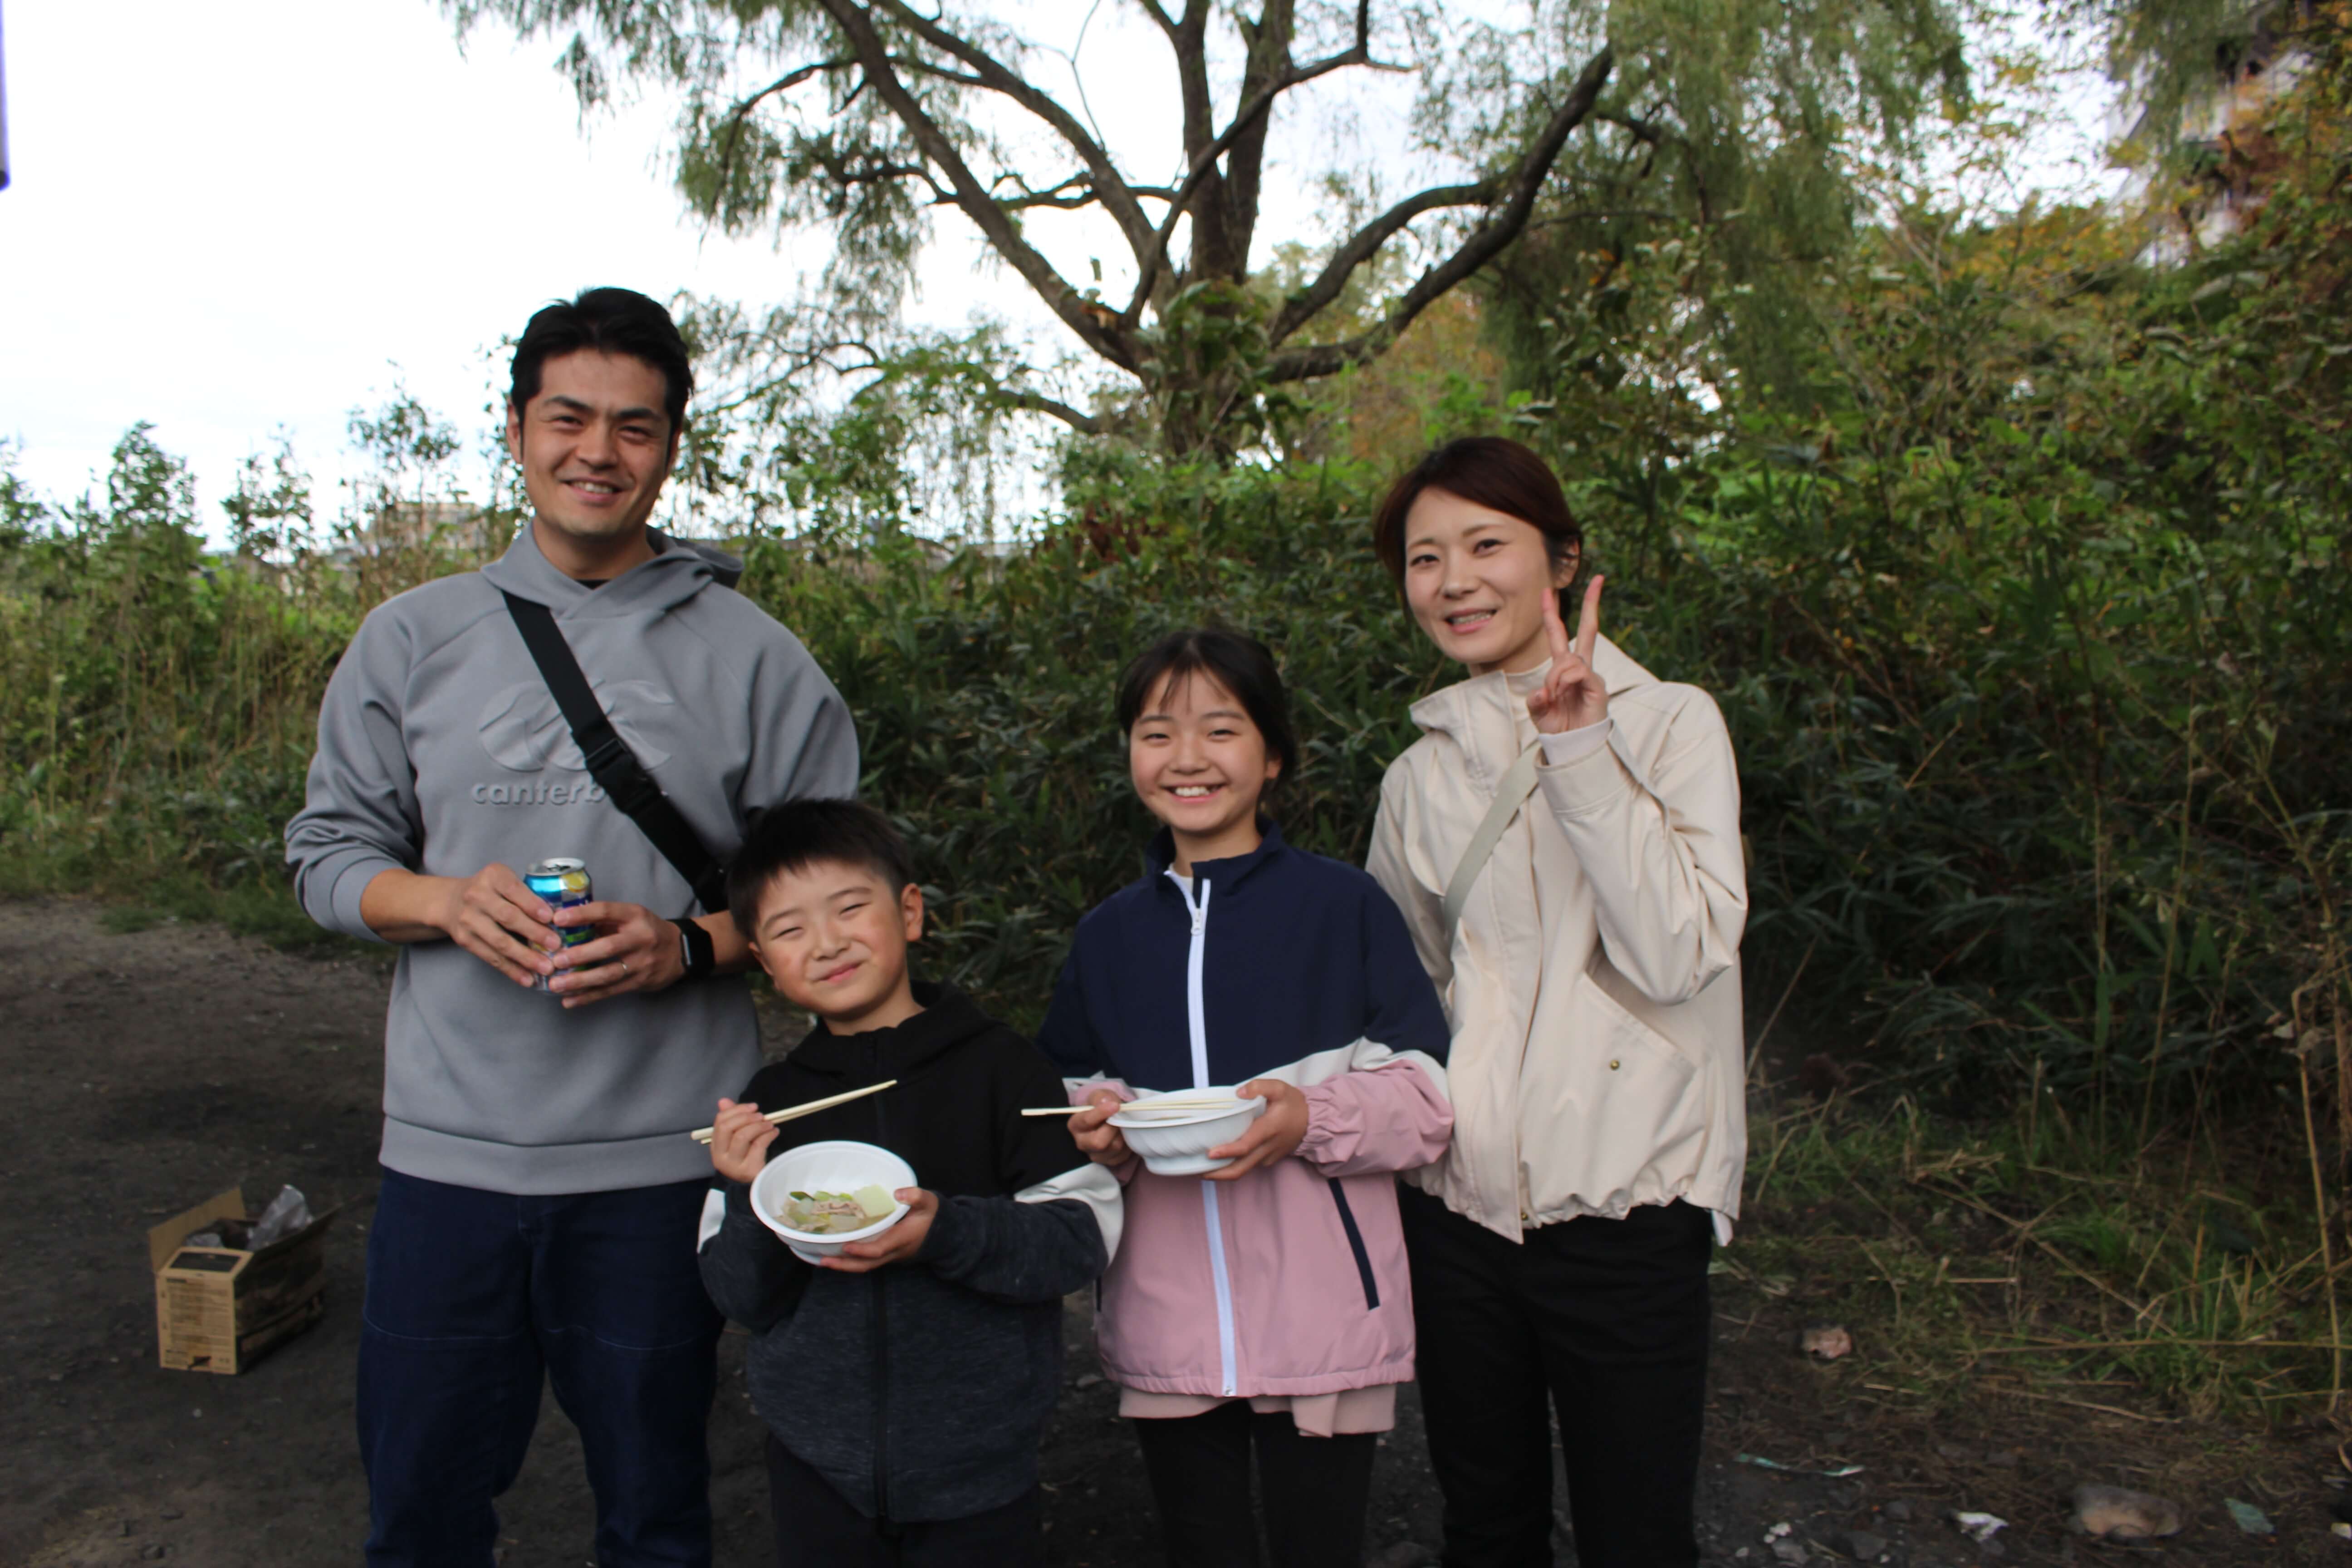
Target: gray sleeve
x,y
1008,1250
804,745
359,815
752,1276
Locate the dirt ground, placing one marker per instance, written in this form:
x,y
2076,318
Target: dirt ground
x,y
149,1069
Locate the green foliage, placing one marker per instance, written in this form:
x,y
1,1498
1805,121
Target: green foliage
x,y
1730,158
928,436
269,513
155,708
158,703
2033,645
2031,631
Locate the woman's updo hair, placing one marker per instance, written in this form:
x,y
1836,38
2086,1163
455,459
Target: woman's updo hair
x,y
1492,472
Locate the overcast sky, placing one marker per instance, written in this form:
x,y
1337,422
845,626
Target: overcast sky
x,y
228,217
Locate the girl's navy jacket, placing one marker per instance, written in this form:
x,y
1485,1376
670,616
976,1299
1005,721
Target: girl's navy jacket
x,y
1297,953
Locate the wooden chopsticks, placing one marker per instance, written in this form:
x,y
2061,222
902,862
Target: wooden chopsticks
x,y
1144,1106
702,1134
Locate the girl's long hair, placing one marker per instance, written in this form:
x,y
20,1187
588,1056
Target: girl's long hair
x,y
1241,665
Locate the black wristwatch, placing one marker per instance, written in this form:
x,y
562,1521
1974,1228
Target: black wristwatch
x,y
696,951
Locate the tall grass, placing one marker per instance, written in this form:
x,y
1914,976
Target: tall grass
x,y
2013,1255
159,702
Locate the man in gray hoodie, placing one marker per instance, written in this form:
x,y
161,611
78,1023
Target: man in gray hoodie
x,y
539,1198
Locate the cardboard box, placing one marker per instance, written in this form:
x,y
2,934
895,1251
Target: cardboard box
x,y
220,1308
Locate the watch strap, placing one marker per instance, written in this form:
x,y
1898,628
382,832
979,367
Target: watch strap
x,y
698,951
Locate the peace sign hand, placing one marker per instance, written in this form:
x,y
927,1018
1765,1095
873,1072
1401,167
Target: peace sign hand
x,y
1572,695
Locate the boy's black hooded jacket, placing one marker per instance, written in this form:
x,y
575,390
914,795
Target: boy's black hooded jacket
x,y
920,1391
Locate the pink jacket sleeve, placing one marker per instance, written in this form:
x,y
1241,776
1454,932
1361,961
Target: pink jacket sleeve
x,y
1392,1117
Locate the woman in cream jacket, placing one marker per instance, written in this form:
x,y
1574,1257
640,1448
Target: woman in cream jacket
x,y
1591,971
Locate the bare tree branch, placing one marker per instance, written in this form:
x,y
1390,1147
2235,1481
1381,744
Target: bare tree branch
x,y
797,362
1078,74
826,356
786,82
994,76
1078,191
933,68
876,174
1359,53
1167,24
1365,243
1639,127
970,197
1502,225
1038,403
740,115
1230,200
1051,196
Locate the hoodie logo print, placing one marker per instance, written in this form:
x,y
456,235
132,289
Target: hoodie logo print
x,y
524,732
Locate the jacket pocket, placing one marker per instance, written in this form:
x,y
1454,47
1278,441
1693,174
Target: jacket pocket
x,y
1621,1115
1356,1244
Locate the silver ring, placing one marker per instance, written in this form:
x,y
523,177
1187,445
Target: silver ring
x,y
624,966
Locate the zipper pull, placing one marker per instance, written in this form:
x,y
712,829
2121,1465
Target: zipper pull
x,y
1196,922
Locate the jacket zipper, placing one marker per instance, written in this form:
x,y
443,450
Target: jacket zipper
x,y
1355,1244
1196,1018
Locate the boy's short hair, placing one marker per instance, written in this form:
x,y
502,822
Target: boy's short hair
x,y
802,832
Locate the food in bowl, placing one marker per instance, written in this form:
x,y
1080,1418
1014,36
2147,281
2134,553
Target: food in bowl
x,y
836,1170
826,1214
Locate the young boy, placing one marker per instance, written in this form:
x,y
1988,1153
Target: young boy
x,y
906,1382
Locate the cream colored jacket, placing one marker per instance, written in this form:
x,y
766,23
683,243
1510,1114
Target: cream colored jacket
x,y
1593,983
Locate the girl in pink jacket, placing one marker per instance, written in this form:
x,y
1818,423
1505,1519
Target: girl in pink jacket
x,y
1259,1313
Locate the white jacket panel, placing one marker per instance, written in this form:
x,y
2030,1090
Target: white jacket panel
x,y
1593,982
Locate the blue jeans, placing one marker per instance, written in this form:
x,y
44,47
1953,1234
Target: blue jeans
x,y
471,1297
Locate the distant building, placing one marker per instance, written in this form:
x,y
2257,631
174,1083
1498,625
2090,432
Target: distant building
x,y
457,527
404,543
2223,134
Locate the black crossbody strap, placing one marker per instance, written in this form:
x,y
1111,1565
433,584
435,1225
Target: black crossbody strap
x,y
611,763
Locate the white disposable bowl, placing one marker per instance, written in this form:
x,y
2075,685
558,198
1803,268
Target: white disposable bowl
x,y
1179,1145
836,1165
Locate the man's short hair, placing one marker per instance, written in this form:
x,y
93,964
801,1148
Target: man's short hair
x,y
613,322
804,833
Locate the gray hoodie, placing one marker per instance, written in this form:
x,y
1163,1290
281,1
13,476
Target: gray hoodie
x,y
441,751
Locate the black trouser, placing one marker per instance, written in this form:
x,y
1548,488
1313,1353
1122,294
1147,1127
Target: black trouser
x,y
475,1299
1608,1317
1314,1490
818,1528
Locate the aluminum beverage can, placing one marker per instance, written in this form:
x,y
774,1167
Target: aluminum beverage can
x,y
563,883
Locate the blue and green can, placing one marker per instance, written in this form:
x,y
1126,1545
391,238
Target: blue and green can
x,y
563,883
